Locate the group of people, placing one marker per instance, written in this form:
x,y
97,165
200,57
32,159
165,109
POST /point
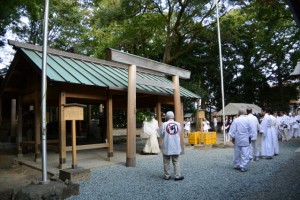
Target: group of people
x,y
246,126
289,126
168,138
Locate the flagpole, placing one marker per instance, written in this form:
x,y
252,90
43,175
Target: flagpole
x,y
221,70
44,97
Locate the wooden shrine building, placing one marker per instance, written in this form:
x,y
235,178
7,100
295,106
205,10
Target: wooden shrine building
x,y
123,83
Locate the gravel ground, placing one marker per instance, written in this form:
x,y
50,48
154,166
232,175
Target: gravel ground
x,y
208,174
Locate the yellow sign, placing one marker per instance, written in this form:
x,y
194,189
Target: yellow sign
x,y
73,113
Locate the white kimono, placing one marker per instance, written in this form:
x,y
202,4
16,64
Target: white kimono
x,y
274,131
267,149
150,131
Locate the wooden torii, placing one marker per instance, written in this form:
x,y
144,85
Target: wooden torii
x,y
133,62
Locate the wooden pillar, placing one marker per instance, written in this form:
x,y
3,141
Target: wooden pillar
x,y
1,111
13,121
109,127
131,118
158,112
20,125
37,124
74,157
62,132
177,106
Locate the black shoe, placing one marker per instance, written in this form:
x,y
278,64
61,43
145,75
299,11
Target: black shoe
x,y
167,178
243,170
276,154
179,178
237,168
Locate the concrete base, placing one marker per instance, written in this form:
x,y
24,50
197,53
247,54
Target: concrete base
x,y
51,190
74,175
202,146
297,151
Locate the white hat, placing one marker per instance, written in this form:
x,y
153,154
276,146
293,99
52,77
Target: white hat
x,y
170,115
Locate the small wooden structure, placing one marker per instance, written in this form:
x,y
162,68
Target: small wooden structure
x,y
74,112
123,81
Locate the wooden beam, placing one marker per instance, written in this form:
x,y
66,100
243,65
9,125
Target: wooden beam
x,y
122,57
154,83
85,96
88,146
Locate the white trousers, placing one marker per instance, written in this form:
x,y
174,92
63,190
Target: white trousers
x,y
241,156
253,148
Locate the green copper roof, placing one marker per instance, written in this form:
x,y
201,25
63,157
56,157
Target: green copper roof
x,y
62,68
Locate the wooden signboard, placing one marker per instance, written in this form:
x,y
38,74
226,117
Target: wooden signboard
x,y
201,114
74,111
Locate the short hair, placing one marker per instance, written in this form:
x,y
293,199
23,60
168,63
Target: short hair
x,y
170,115
249,110
242,112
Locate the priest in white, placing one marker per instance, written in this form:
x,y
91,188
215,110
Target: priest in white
x,y
254,152
274,131
241,131
267,149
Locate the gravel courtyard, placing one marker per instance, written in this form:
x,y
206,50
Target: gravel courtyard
x,y
209,174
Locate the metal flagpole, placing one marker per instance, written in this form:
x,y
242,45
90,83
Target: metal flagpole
x,y
221,69
44,90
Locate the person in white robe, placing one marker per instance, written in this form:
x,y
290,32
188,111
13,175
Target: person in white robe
x,y
150,131
187,127
254,152
284,126
294,125
206,125
267,149
241,131
298,121
274,131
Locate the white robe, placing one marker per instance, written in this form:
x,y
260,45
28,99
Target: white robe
x,y
274,132
150,131
267,149
241,130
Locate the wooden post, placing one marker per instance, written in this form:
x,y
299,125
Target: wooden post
x,y
177,105
13,121
74,159
37,111
20,125
131,118
158,112
109,127
1,111
62,132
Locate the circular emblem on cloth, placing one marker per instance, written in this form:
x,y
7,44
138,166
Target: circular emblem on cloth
x,y
172,128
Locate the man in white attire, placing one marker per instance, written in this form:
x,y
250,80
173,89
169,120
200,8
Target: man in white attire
x,y
274,131
294,125
267,148
241,132
254,153
284,126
